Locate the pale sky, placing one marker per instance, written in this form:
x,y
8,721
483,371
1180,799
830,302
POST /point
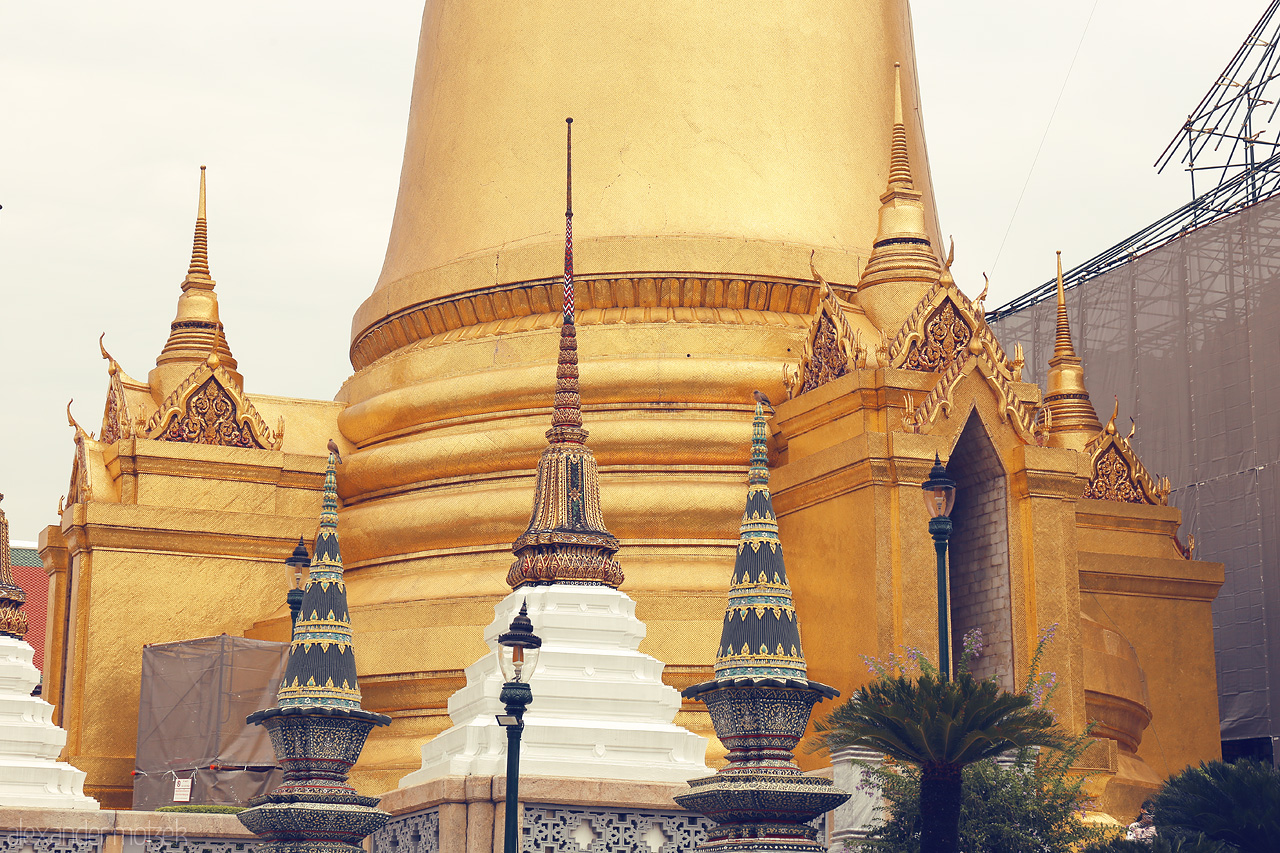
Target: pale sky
x,y
108,109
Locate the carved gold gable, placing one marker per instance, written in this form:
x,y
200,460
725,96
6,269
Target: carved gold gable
x,y
209,408
1118,474
831,350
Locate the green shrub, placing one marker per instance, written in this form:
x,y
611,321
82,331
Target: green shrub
x,y
1238,804
193,809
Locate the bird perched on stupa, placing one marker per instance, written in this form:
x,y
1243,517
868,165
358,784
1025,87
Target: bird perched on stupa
x,y
333,448
760,398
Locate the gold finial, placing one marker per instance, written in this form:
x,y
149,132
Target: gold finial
x,y
71,420
982,297
1111,424
199,268
1062,339
1133,427
112,367
899,160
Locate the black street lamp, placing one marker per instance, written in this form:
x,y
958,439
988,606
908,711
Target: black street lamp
x,y
296,564
517,657
939,498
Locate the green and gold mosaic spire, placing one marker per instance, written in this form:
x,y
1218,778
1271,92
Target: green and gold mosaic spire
x,y
322,665
761,635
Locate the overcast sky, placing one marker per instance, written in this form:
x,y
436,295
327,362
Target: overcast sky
x,y
108,109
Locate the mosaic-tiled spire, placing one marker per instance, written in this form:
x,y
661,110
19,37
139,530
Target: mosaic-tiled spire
x,y
13,619
761,635
566,541
322,664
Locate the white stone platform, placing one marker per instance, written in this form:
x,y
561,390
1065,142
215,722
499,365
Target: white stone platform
x,y
30,774
600,709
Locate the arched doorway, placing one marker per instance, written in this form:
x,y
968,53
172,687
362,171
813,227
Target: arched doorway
x,y
979,554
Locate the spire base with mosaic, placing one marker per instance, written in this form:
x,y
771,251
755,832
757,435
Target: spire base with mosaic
x,y
318,729
761,698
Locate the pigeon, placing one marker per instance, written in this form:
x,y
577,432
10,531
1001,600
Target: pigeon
x,y
333,448
762,399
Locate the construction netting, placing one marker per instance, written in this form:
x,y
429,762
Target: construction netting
x,y
1188,337
193,744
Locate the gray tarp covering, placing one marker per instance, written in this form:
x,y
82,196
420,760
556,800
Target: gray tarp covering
x,y
195,697
1188,336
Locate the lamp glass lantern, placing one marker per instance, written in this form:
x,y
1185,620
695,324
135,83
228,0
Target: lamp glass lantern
x,y
939,490
296,564
518,649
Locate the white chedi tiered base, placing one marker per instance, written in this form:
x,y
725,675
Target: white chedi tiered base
x,y
31,776
599,710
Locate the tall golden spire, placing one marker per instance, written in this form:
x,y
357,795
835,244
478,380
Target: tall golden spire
x,y
1072,419
196,330
566,541
902,255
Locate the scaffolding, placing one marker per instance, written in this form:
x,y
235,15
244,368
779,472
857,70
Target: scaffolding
x,y
1187,336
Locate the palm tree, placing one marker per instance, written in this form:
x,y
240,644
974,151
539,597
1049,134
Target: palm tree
x,y
940,726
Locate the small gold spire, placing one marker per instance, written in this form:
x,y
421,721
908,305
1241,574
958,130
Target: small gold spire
x,y
1062,339
902,254
1074,421
196,328
198,271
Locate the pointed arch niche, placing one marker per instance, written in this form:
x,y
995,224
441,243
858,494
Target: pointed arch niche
x,y
979,554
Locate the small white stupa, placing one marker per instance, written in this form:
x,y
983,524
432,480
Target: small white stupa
x,y
600,709
31,776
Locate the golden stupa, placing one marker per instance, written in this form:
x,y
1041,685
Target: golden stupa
x,y
754,211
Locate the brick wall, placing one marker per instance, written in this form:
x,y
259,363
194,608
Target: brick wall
x,y
979,554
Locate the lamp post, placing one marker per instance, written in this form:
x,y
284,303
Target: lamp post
x,y
939,498
296,563
517,657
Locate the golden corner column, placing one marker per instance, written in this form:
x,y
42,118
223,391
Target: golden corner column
x,y
718,153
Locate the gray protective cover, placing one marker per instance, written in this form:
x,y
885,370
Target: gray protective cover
x,y
1188,337
191,720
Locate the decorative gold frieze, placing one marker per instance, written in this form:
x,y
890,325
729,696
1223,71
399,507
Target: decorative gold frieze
x,y
528,305
1118,474
832,348
209,408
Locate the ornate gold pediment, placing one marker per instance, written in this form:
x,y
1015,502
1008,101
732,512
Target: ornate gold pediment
x,y
831,349
1012,408
209,408
944,325
1118,474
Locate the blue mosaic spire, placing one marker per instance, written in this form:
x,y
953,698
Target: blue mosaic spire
x,y
322,665
761,635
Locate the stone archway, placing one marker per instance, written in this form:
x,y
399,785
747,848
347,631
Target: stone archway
x,y
979,555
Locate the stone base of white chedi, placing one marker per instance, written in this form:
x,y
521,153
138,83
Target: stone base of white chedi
x,y
600,709
30,774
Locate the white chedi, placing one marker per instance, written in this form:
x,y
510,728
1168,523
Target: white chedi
x,y
599,710
31,776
